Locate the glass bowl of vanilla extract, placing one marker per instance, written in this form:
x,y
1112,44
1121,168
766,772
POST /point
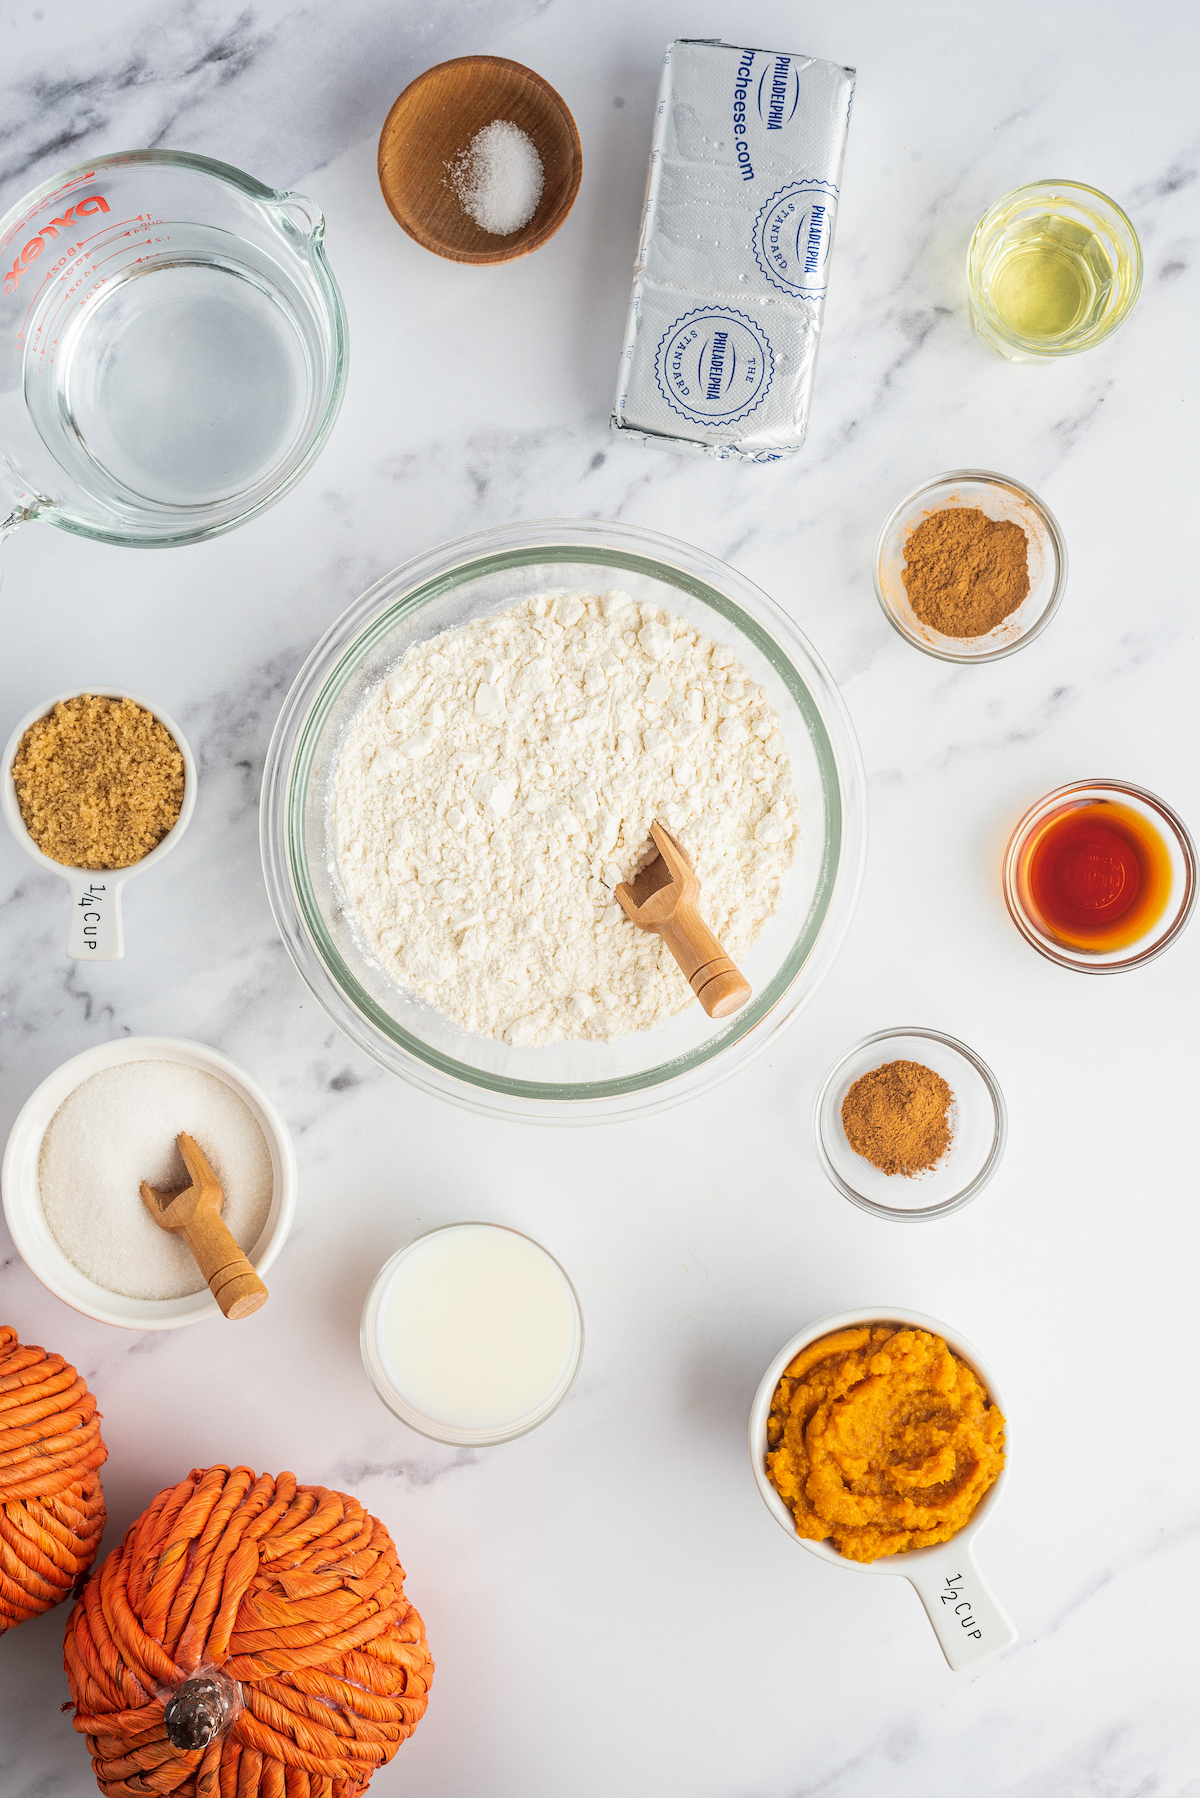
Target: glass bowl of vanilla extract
x,y
1100,876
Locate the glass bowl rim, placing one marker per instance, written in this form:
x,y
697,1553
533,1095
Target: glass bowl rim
x,y
187,159
972,1190
632,548
990,478
1076,963
372,1360
339,328
1027,346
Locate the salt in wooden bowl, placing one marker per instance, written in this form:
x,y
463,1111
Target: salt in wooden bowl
x,y
434,121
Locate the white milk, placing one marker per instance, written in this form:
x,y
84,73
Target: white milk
x,y
477,1327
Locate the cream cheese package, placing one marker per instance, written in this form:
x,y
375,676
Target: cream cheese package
x,y
729,284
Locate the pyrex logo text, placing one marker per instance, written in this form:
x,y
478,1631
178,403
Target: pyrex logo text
x,y
35,246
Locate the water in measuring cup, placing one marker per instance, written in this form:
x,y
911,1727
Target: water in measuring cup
x,y
186,381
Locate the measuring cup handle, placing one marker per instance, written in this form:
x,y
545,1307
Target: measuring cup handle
x,y
18,502
302,212
95,932
968,1621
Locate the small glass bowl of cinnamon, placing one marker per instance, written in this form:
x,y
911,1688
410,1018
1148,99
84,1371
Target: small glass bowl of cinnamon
x,y
1003,502
967,1150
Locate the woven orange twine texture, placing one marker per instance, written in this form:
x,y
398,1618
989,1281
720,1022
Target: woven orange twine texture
x,y
51,1502
293,1590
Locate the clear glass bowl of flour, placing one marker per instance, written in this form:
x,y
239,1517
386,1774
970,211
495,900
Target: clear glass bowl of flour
x,y
584,1082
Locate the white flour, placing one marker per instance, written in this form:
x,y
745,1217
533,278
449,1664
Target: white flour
x,y
502,781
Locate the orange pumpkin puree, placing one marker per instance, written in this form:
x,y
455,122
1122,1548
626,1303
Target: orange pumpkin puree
x,y
880,1439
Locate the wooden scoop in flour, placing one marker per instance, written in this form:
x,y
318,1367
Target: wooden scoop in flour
x,y
664,896
196,1212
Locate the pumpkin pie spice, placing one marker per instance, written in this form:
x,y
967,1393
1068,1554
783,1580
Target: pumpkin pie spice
x,y
966,573
897,1117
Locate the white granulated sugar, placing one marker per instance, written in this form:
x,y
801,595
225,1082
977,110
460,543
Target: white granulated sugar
x,y
499,178
503,779
118,1129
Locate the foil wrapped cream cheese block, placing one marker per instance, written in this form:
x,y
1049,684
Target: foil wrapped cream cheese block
x,y
729,284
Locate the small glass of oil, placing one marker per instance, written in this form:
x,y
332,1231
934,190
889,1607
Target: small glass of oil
x,y
1053,269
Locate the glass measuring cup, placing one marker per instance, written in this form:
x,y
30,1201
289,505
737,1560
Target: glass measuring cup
x,y
172,349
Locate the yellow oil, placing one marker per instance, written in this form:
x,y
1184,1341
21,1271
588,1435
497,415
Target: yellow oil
x,y
1051,278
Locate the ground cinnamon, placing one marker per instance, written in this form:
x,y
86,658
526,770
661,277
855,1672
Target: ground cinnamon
x,y
896,1117
966,572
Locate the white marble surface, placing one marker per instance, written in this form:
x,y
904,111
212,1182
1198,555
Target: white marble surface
x,y
609,1604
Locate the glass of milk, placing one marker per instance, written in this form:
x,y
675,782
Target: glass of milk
x,y
472,1334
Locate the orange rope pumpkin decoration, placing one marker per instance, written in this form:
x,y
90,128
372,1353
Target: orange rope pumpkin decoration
x,y
51,1502
294,1591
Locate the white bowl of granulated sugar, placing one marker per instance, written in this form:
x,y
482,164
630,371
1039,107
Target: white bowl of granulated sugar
x,y
103,1122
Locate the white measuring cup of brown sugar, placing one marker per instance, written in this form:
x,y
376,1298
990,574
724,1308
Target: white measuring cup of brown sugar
x,y
172,349
96,931
968,1620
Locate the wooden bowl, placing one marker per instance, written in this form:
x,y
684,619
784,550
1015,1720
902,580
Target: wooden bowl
x,y
433,122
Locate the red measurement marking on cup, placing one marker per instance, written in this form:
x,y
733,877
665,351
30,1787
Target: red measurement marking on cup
x,y
43,350
58,271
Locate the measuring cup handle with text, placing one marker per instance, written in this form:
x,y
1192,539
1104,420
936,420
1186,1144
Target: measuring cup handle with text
x,y
95,932
969,1622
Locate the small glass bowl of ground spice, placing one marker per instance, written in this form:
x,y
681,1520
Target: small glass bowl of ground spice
x,y
910,1124
97,785
971,566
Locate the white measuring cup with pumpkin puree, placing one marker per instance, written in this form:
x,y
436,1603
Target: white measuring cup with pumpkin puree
x,y
969,1622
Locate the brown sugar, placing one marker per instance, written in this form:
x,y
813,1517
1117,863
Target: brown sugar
x,y
965,572
99,782
896,1117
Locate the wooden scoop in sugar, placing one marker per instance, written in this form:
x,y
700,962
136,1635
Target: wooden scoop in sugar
x,y
195,1212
